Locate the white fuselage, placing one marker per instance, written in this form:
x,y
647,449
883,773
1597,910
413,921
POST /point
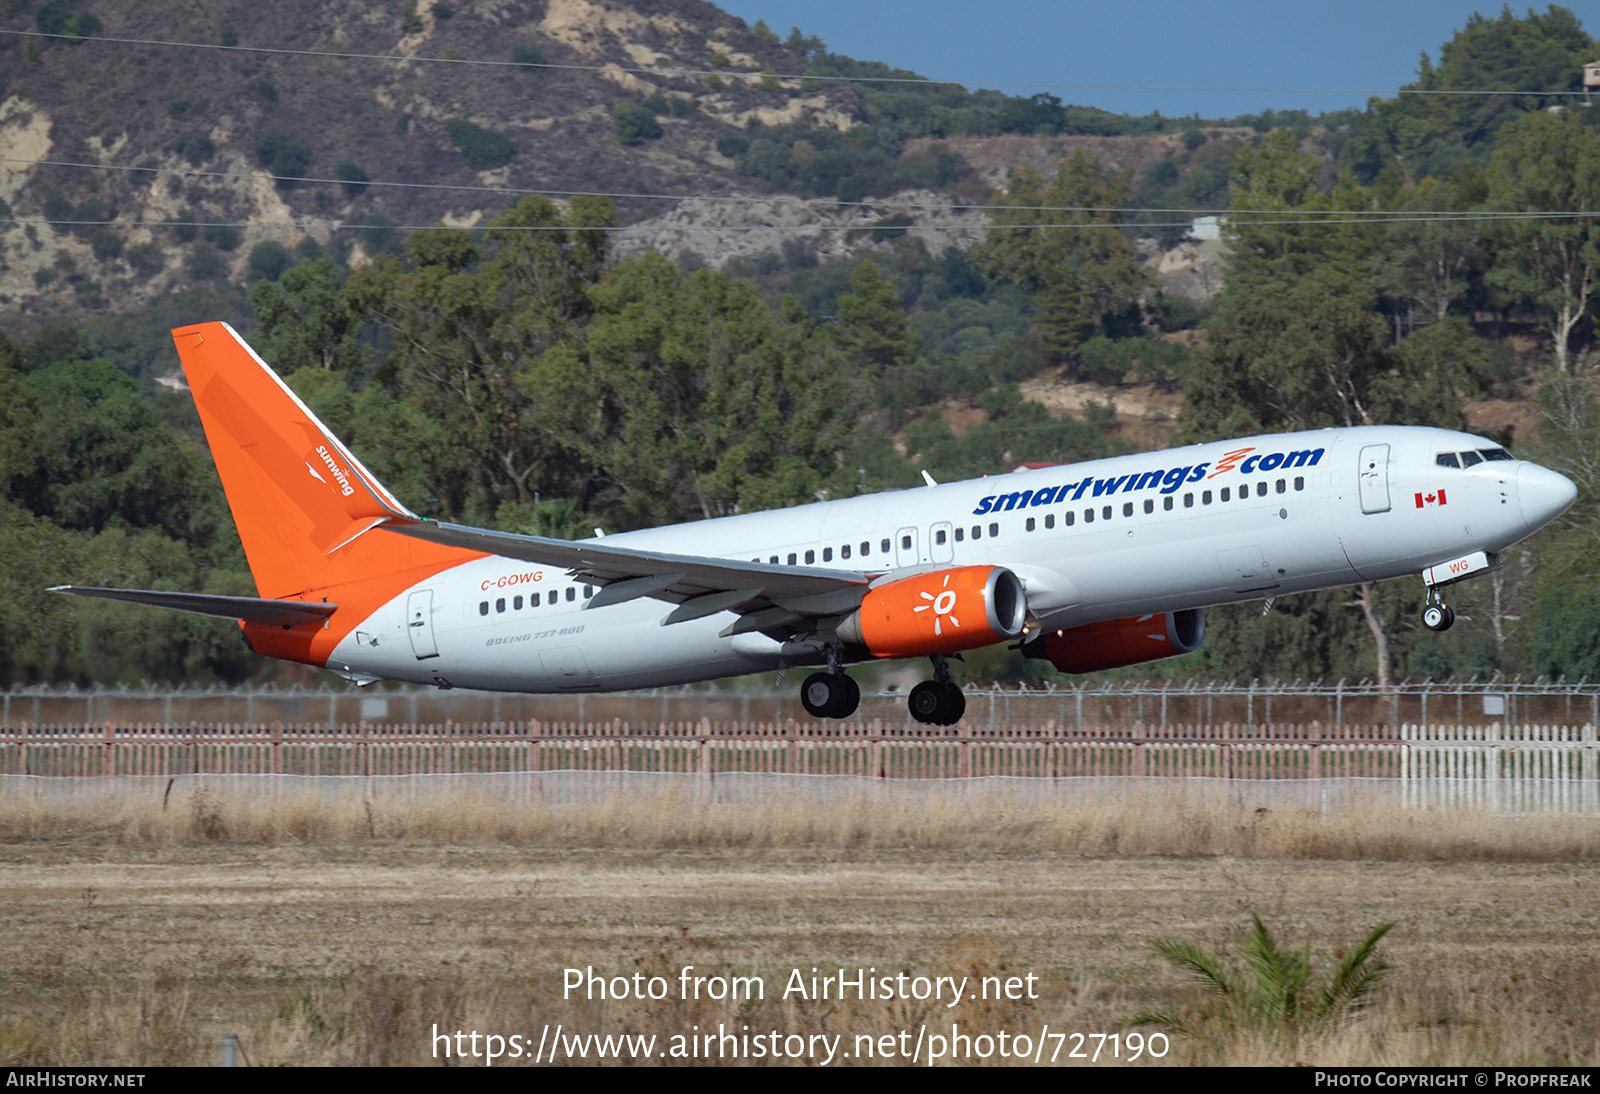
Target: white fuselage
x,y
1154,532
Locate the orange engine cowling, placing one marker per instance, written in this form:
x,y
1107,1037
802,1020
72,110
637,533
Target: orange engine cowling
x,y
1118,642
945,611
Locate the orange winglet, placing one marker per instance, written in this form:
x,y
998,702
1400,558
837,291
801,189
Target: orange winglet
x,y
307,511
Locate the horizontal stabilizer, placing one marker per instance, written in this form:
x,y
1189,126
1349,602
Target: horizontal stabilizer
x,y
286,613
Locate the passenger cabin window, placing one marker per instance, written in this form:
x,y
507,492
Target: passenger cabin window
x,y
844,552
483,607
1299,482
994,530
1105,512
773,560
827,554
1188,501
793,558
961,534
533,600
1088,516
1261,489
1205,497
1031,524
1068,517
1166,503
1149,505
588,591
572,594
1127,508
811,556
884,546
866,548
500,605
1049,520
1447,459
977,532
905,543
516,603
939,537
1224,493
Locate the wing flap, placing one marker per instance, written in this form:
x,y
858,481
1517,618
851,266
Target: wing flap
x,y
286,613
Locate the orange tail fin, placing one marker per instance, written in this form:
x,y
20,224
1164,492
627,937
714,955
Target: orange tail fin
x,y
302,502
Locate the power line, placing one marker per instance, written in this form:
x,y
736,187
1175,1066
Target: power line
x,y
1484,214
732,74
1289,219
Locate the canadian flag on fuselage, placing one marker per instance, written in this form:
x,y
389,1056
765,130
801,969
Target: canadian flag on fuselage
x,y
1425,500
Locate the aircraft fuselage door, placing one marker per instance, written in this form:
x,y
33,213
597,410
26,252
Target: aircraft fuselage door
x,y
905,547
419,624
940,544
1374,478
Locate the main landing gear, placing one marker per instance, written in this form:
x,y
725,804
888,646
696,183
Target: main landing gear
x,y
1436,615
938,701
830,695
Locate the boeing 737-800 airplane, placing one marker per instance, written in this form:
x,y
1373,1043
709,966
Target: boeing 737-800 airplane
x,y
1089,565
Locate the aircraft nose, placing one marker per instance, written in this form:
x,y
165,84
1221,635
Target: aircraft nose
x,y
1543,494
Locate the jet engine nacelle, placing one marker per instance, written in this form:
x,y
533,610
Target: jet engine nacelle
x,y
945,611
1118,642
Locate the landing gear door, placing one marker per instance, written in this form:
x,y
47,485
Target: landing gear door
x,y
419,624
1374,478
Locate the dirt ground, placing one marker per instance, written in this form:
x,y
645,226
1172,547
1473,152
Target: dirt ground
x,y
363,951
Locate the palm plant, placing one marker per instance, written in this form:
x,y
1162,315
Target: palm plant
x,y
1276,989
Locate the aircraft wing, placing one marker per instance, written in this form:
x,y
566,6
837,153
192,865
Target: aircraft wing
x,y
767,597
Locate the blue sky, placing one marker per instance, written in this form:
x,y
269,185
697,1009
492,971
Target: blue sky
x,y
1364,44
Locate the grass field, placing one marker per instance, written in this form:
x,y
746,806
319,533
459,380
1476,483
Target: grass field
x,y
346,933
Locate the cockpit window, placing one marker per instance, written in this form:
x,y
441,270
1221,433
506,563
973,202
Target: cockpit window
x,y
1495,454
1447,459
1470,459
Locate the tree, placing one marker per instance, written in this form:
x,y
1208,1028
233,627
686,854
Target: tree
x,y
488,343
1060,243
306,320
103,457
1425,134
708,403
1282,227
1431,263
1550,265
1296,359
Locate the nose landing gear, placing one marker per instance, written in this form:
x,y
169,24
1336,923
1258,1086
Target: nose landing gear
x,y
938,701
1436,615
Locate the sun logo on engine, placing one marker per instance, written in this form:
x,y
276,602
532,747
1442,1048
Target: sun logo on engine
x,y
942,606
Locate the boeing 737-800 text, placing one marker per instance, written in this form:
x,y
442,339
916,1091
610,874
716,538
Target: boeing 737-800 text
x,y
1089,565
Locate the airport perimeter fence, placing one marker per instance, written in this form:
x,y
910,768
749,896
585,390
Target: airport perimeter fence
x,y
1477,757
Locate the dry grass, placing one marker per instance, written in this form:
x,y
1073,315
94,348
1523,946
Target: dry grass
x,y
339,933
1163,819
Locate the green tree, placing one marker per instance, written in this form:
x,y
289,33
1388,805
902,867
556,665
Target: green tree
x,y
488,343
103,457
1060,242
1548,265
306,320
634,124
1433,134
483,149
708,403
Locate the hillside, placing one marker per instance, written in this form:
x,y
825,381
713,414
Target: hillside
x,y
204,129
220,111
